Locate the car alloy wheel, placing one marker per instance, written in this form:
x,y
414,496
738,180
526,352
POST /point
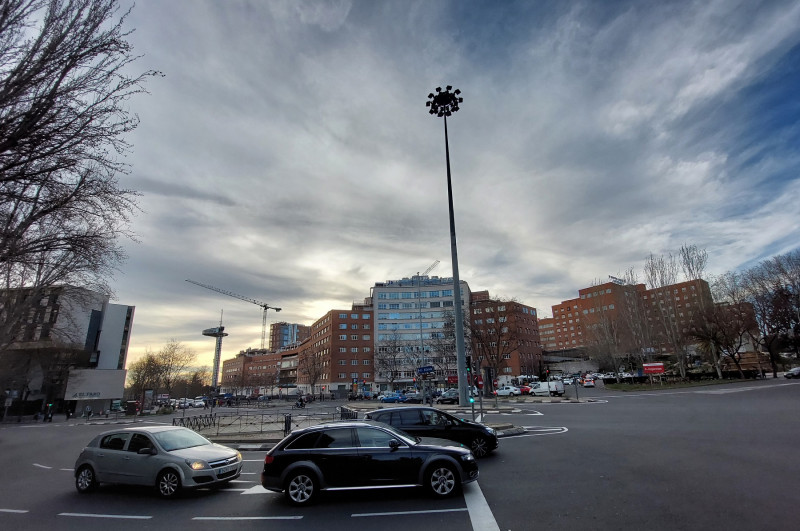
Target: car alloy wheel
x,y
301,488
479,446
441,480
168,483
85,481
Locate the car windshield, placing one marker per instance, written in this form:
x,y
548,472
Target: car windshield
x,y
179,439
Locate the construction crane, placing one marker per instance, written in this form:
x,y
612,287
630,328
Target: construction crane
x,y
431,268
263,305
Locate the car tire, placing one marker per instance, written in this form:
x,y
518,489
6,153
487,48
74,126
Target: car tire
x,y
441,480
85,479
479,446
168,483
301,487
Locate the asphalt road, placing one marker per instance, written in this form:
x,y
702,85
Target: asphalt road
x,y
717,457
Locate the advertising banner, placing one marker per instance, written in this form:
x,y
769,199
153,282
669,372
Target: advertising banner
x,y
653,368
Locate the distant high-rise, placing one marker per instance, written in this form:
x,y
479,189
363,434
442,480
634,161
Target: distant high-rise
x,y
283,334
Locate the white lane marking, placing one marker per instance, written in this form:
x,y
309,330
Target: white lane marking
x,y
538,431
18,511
42,466
67,469
247,518
252,460
258,489
398,513
480,514
249,473
118,516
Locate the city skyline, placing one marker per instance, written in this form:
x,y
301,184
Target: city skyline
x,y
287,154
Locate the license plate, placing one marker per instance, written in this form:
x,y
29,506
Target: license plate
x,y
226,469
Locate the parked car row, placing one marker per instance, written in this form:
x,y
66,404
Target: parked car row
x,y
393,447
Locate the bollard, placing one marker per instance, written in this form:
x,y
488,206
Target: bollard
x,y
287,424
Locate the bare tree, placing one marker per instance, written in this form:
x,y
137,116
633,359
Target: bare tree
x,y
661,272
311,367
174,359
391,358
64,86
144,373
442,347
491,339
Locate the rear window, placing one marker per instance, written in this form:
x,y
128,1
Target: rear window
x,y
304,442
336,438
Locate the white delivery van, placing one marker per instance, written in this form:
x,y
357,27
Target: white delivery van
x,y
551,388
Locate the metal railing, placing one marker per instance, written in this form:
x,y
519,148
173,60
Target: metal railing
x,y
280,421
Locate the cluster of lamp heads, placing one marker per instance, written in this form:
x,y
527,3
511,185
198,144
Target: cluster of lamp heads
x,y
444,103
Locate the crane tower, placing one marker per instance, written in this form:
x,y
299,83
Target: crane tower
x,y
263,305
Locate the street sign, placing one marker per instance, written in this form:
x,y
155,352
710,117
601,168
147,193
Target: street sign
x,y
479,382
425,370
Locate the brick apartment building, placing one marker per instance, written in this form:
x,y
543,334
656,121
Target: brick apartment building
x,y
576,322
505,337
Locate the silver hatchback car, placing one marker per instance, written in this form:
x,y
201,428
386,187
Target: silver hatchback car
x,y
168,458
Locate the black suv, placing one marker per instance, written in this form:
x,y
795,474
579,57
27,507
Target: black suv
x,y
431,422
363,454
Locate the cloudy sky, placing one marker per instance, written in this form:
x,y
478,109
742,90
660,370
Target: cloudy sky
x,y
287,154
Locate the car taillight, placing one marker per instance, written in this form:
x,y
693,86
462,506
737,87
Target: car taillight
x,y
268,460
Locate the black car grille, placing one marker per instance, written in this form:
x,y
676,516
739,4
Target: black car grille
x,y
223,462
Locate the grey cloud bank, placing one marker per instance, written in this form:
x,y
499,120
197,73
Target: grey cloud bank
x,y
287,154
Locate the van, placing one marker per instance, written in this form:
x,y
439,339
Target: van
x,y
551,388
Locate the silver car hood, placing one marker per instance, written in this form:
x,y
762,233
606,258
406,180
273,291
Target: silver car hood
x,y
207,452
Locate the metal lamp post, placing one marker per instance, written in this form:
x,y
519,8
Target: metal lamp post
x,y
444,104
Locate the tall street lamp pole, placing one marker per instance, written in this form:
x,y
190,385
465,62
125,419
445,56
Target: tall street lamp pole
x,y
442,105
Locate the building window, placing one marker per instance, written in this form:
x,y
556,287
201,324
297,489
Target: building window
x,y
364,362
342,349
365,316
342,316
354,349
366,349
354,375
342,376
342,362
343,337
366,375
354,338
366,327
353,362
365,337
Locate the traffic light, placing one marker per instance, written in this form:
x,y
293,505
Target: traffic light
x,y
469,363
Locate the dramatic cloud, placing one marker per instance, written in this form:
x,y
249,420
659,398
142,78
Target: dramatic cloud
x,y
288,155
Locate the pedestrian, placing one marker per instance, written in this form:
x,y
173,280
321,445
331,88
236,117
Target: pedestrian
x,y
205,404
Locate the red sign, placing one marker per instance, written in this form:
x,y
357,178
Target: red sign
x,y
479,382
653,368
452,379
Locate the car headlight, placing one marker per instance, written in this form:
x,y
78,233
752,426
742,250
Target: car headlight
x,y
238,455
491,431
468,457
197,464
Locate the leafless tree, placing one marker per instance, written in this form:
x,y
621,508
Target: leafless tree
x,y
391,358
442,347
174,360
64,88
144,373
661,272
491,340
311,367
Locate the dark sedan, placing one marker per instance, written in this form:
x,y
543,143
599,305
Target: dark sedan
x,y
363,454
431,422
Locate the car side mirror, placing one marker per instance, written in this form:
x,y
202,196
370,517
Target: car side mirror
x,y
394,444
146,451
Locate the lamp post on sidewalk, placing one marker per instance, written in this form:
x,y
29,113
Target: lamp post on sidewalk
x,y
442,105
